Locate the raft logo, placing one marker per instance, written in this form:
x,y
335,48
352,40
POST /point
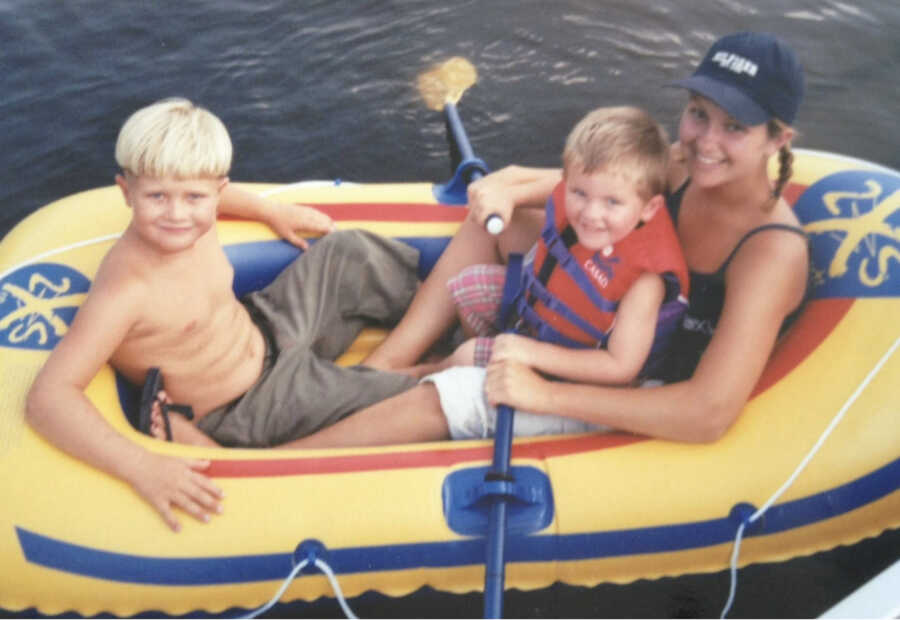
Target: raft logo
x,y
853,219
38,303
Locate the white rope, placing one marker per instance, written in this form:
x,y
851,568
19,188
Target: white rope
x,y
322,566
803,464
284,586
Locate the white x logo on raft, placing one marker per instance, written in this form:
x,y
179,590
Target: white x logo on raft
x,y
735,63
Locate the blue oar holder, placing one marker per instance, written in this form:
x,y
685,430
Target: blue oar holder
x,y
454,192
468,495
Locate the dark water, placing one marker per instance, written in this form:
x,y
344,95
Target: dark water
x,y
326,89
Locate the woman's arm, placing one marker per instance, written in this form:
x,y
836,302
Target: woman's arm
x,y
703,407
509,188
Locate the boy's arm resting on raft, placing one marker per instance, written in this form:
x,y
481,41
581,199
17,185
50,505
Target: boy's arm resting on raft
x,y
702,408
287,220
618,364
58,409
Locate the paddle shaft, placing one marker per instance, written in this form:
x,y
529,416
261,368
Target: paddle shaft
x,y
495,565
454,124
494,223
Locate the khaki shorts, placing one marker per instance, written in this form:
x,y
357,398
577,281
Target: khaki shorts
x,y
312,312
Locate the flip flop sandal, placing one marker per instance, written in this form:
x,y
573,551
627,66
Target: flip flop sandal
x,y
152,385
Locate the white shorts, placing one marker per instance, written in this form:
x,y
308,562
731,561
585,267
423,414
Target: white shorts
x,y
469,416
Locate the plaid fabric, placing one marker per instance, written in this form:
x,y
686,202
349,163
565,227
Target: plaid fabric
x,y
477,293
484,346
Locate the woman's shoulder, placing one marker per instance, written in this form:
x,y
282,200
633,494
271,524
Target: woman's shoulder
x,y
773,256
779,235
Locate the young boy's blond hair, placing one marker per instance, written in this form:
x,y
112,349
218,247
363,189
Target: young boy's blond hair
x,y
176,139
625,140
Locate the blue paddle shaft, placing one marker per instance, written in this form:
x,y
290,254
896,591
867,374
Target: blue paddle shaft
x,y
495,565
458,132
503,440
494,223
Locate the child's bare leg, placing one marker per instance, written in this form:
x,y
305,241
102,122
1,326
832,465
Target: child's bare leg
x,y
409,417
464,355
420,370
431,312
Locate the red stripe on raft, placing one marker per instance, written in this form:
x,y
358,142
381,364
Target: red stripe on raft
x,y
792,192
389,212
812,327
254,468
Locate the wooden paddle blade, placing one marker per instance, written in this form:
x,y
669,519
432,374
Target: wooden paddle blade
x,y
446,82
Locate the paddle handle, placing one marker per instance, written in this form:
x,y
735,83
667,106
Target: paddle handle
x,y
494,224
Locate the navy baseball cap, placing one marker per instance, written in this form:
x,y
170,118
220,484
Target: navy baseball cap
x,y
752,76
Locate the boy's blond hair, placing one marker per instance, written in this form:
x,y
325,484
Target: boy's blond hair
x,y
174,138
624,140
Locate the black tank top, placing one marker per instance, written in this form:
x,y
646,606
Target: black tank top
x,y
707,297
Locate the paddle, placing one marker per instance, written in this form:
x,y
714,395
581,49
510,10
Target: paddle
x,y
441,87
446,82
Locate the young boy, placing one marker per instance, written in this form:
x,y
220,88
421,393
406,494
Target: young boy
x,y
257,371
604,285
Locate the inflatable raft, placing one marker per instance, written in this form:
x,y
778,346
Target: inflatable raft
x,y
587,508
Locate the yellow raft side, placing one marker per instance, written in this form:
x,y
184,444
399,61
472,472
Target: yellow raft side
x,y
631,487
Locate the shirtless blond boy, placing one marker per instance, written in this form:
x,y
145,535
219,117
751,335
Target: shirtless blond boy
x,y
162,297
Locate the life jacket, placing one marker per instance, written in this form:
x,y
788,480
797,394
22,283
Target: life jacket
x,y
570,294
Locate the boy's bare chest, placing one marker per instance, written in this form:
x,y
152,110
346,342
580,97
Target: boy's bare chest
x,y
187,304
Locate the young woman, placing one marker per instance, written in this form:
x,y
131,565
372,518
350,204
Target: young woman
x,y
747,254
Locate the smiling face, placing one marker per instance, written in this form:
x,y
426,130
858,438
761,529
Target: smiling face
x,y
719,149
604,206
171,214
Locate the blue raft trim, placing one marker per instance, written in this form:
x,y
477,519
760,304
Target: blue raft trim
x,y
257,263
81,560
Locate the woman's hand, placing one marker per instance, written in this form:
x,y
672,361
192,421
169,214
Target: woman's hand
x,y
167,482
517,385
513,348
289,220
489,196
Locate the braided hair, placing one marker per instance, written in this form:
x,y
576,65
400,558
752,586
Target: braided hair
x,y
785,160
